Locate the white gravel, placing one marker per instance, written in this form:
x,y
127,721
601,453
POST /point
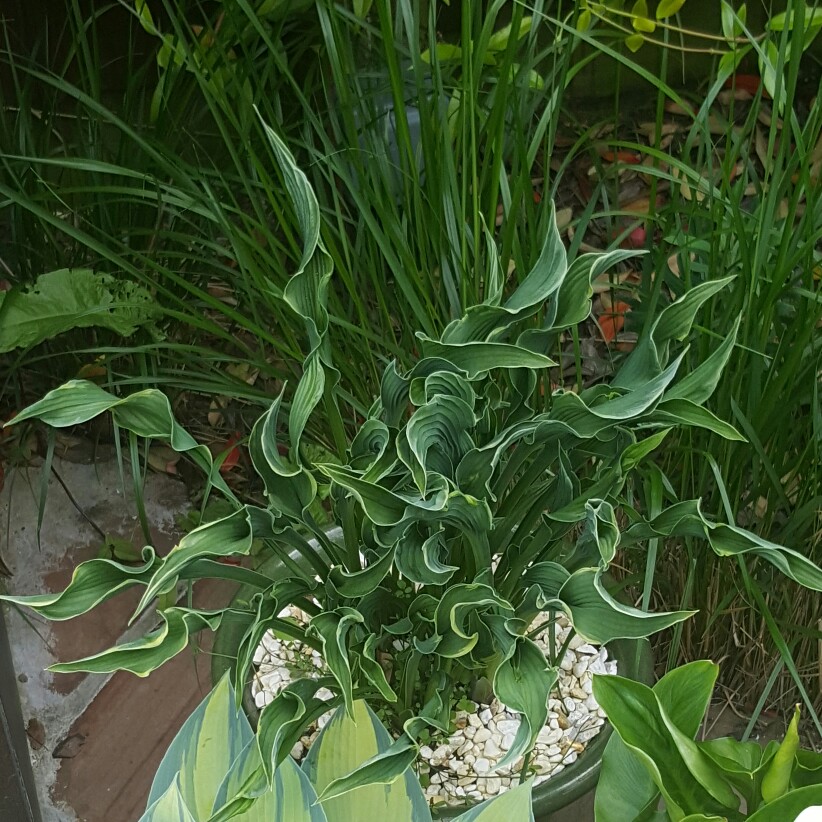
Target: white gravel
x,y
461,767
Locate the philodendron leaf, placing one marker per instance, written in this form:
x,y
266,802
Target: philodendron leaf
x,y
203,751
777,778
92,582
144,655
343,745
512,806
523,683
625,788
169,807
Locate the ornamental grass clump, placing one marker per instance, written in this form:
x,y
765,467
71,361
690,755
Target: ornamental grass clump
x,y
471,498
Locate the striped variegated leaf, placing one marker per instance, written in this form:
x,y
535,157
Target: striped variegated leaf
x,y
169,807
511,806
343,746
203,751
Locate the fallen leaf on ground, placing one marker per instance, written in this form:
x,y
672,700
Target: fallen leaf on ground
x,y
612,322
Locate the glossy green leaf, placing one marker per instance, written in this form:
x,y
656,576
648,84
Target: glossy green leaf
x,y
230,536
807,769
499,39
92,582
332,629
668,8
790,806
512,806
478,357
684,412
600,618
146,654
649,733
344,744
203,750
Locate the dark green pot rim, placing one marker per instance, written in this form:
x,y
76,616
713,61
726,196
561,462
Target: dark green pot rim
x,y
634,658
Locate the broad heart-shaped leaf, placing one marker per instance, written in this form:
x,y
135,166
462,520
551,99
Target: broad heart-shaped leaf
x,y
169,807
92,582
674,322
481,321
146,654
790,806
625,788
512,806
342,746
203,751
686,777
686,519
232,535
523,682
742,763
600,618
71,298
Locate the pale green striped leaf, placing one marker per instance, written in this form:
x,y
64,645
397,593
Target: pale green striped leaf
x,y
343,746
512,806
169,807
203,751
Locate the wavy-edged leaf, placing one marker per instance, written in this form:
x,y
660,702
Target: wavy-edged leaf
x,y
92,582
332,629
600,618
229,536
478,357
146,654
678,412
342,747
420,558
523,682
203,751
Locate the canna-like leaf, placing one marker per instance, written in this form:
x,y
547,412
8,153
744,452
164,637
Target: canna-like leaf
x,y
203,750
790,806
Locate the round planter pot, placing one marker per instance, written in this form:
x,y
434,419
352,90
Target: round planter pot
x,y
633,656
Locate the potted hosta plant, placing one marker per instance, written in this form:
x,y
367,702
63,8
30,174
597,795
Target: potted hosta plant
x,y
210,760
479,511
